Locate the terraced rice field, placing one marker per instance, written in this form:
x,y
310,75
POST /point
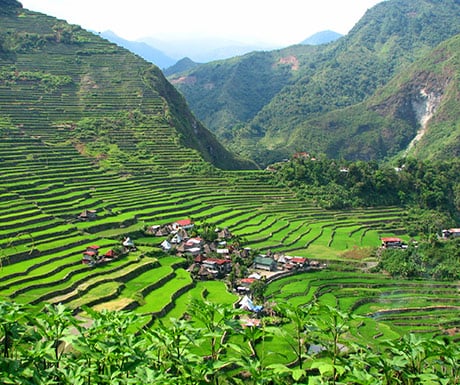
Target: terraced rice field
x,y
49,174
42,240
399,306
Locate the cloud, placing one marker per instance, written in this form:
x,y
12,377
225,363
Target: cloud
x,y
281,22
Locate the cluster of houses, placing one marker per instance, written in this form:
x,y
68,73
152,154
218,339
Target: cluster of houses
x,y
211,260
92,255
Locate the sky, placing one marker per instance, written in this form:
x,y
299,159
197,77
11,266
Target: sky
x,y
280,22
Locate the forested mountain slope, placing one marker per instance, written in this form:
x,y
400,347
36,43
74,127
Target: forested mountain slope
x,y
390,36
61,83
225,94
415,114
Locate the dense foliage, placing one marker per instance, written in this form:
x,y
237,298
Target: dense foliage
x,y
55,347
340,184
257,108
436,259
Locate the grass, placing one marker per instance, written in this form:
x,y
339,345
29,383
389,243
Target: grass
x,y
159,298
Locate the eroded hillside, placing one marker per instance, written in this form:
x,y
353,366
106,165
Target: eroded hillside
x,y
334,77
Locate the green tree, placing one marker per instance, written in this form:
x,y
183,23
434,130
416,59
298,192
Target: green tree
x,y
332,324
303,323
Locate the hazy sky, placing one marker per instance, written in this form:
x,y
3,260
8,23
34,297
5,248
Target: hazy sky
x,y
281,22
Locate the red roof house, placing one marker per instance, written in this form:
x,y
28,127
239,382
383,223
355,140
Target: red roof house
x,y
182,224
299,260
391,242
110,254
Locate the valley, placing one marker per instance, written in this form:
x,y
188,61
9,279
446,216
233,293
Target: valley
x,y
99,154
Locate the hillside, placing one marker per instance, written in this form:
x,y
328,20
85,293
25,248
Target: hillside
x,y
61,83
228,93
415,114
93,148
390,36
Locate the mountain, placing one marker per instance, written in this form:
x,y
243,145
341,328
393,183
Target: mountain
x,y
204,50
226,94
144,50
319,80
415,114
182,65
322,37
61,84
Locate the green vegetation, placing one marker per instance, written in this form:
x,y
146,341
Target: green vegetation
x,y
336,184
435,259
330,99
52,346
95,145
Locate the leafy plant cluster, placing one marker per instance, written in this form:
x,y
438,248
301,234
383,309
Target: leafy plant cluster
x,y
340,184
210,347
19,41
436,259
48,81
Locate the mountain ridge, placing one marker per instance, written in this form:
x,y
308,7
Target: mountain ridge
x,y
404,118
322,37
142,49
78,84
389,37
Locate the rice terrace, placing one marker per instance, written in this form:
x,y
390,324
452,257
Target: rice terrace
x,y
110,202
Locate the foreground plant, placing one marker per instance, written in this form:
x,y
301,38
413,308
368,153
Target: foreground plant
x,y
54,347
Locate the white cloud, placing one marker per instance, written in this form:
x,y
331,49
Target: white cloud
x,y
281,22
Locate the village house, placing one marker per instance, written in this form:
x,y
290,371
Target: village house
x,y
91,255
224,234
166,245
244,285
220,266
296,263
176,239
128,245
195,241
89,258
87,215
392,243
110,254
210,268
265,263
451,233
159,230
185,224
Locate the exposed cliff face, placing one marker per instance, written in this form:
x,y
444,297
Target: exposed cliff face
x,y
417,113
416,102
424,106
